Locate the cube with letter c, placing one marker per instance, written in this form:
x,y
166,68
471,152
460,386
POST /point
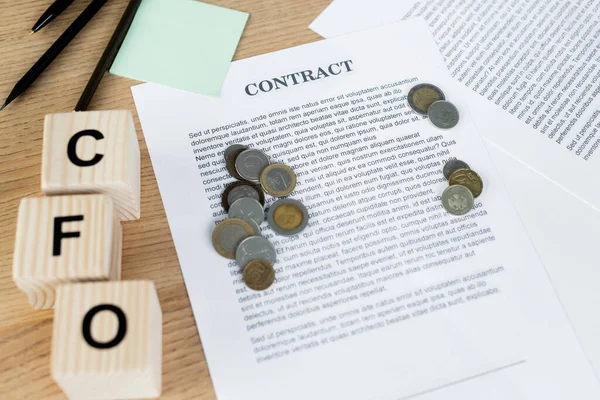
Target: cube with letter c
x,y
93,152
107,340
65,239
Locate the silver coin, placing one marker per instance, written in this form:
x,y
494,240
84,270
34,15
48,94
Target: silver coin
x,y
233,148
253,248
247,208
421,96
458,199
292,220
232,236
452,166
255,226
250,163
443,114
242,191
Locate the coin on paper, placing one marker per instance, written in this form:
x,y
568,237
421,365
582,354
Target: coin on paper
x,y
423,95
254,248
247,189
238,190
228,235
255,226
457,199
443,114
250,163
278,180
230,162
287,217
452,166
234,147
247,208
469,179
258,274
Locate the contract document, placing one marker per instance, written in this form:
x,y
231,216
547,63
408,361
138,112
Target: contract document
x,y
384,295
532,66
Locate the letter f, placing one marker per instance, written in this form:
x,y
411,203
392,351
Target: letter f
x,y
59,234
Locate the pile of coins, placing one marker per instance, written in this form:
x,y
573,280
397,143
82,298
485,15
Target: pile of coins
x,y
427,99
465,185
239,236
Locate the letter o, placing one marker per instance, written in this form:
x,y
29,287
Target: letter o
x,y
87,325
269,84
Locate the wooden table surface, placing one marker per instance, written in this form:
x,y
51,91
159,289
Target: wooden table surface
x,y
148,250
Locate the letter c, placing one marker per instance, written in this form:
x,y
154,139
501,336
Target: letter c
x,y
87,325
331,70
71,147
248,90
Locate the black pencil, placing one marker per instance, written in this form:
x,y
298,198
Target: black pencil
x,y
108,56
52,12
54,50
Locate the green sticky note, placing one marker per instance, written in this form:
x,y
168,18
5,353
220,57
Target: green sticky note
x,y
182,44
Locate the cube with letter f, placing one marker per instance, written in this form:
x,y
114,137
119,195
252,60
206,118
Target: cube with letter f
x,y
93,152
64,239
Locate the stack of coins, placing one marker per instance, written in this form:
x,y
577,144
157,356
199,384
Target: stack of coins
x,y
427,99
465,185
239,236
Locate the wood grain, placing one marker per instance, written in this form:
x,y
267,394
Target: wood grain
x,y
115,156
131,367
94,255
148,251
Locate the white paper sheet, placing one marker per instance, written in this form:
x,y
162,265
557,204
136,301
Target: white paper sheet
x,y
562,229
565,242
533,67
357,310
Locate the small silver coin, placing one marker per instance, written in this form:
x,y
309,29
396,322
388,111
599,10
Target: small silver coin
x,y
253,248
233,148
247,208
255,227
443,114
458,199
242,191
250,163
290,220
452,166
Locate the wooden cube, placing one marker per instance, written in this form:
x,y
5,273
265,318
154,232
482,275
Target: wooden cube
x,y
107,340
93,152
65,239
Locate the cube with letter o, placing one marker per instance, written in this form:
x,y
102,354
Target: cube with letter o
x,y
93,152
65,239
107,340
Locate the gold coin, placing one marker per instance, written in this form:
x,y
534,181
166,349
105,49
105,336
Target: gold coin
x,y
288,216
258,274
229,234
468,178
278,180
425,97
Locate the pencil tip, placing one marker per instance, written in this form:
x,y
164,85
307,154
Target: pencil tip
x,y
31,32
2,106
